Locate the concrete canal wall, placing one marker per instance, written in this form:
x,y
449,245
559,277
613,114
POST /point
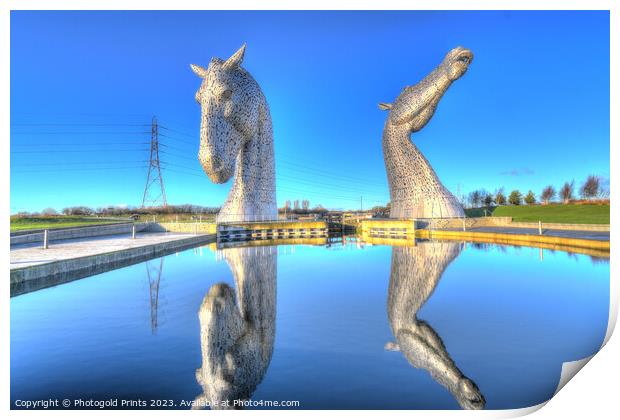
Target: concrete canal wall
x,y
33,274
269,230
489,229
29,278
114,229
183,227
388,227
470,222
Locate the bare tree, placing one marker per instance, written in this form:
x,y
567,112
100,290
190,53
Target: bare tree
x,y
474,198
296,205
590,187
488,200
566,192
548,194
305,204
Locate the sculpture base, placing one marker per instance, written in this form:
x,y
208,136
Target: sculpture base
x,y
431,208
251,213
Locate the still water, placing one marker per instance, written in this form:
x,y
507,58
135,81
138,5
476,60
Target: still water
x,y
438,325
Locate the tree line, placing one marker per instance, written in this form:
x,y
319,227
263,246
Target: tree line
x,y
124,210
590,189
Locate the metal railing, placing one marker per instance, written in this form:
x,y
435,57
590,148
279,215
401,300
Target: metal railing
x,y
47,235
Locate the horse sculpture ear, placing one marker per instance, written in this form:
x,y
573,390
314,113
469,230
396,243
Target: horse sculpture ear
x,y
200,71
235,60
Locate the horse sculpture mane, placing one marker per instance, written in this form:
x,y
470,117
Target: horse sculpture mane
x,y
236,138
415,189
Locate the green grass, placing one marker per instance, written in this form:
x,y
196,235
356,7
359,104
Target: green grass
x,y
553,213
54,222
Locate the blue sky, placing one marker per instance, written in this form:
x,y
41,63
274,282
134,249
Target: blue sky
x,y
532,110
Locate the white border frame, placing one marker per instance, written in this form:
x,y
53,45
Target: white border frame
x,y
593,394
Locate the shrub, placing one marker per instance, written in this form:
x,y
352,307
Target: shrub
x,y
530,198
515,198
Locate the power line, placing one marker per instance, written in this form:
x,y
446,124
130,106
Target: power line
x,y
179,140
76,125
64,133
85,144
177,131
172,147
76,151
56,164
80,169
321,194
165,152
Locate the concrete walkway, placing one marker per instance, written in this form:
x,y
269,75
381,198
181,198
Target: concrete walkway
x,y
573,234
31,254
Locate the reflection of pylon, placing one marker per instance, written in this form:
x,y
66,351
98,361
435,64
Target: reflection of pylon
x,y
153,273
154,178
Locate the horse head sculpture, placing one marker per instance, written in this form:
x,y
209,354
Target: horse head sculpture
x,y
415,189
236,138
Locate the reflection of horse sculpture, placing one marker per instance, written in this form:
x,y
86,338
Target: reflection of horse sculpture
x,y
237,335
236,134
415,189
414,275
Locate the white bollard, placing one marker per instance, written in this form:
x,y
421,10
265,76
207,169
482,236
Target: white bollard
x,y
133,231
45,239
539,227
463,224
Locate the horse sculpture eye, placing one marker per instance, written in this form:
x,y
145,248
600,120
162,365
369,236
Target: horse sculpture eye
x,y
226,95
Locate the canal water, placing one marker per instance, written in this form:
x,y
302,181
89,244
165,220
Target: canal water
x,y
438,325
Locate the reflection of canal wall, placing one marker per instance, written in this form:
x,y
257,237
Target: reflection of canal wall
x,y
472,229
241,231
519,239
35,277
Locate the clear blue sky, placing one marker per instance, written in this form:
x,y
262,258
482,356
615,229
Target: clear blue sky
x,y
533,108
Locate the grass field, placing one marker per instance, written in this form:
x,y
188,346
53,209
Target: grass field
x,y
55,222
553,213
